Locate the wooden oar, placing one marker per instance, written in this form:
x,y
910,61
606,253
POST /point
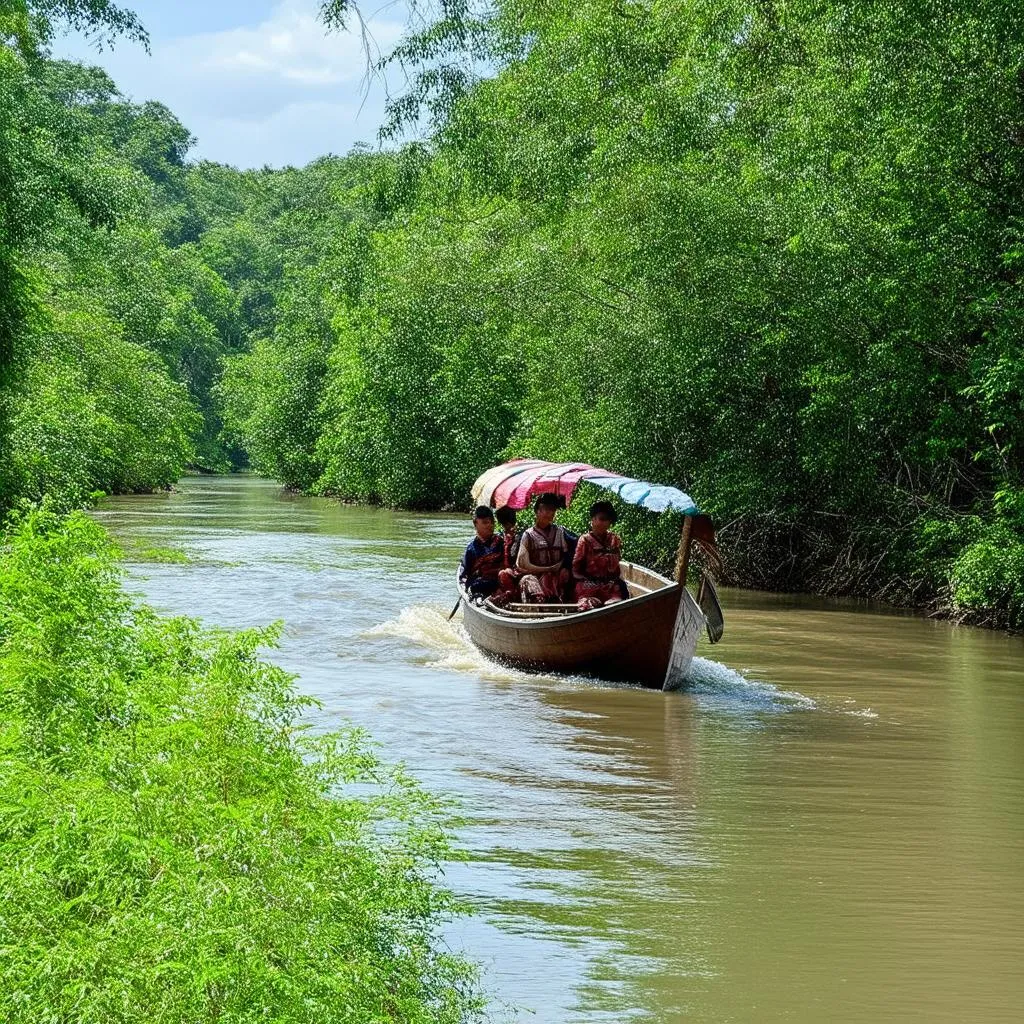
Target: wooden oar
x,y
707,598
455,609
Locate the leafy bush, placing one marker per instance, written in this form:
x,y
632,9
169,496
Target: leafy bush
x,y
175,846
987,579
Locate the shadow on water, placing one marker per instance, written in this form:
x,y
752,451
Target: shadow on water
x,y
826,824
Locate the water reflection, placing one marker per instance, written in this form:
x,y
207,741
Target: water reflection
x,y
826,825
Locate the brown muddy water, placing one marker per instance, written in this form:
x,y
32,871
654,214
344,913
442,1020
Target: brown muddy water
x,y
826,825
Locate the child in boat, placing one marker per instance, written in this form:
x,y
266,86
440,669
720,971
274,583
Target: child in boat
x,y
542,553
508,578
483,557
595,566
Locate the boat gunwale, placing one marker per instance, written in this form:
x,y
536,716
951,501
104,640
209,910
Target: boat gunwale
x,y
568,621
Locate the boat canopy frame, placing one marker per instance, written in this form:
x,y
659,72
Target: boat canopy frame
x,y
515,483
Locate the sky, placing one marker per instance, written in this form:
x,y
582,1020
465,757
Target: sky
x,y
258,82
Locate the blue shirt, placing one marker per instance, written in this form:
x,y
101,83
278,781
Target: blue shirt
x,y
482,561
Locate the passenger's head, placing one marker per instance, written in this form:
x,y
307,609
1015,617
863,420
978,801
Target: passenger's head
x,y
483,520
545,507
507,517
602,515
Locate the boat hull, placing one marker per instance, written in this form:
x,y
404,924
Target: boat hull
x,y
633,641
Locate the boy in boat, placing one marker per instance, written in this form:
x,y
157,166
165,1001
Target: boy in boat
x,y
508,578
542,553
595,566
483,557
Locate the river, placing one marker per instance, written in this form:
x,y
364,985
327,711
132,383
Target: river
x,y
826,825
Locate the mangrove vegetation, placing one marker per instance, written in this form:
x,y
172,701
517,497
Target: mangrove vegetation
x,y
770,252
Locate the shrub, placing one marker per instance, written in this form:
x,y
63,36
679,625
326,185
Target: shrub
x,y
92,409
987,579
174,844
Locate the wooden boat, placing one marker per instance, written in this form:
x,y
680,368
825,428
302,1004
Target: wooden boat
x,y
648,639
633,641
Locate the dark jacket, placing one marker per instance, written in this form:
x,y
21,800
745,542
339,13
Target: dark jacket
x,y
482,561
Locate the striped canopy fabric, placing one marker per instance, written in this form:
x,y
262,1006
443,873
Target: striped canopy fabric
x,y
517,482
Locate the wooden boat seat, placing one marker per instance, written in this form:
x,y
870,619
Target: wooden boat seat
x,y
638,589
543,605
548,610
518,610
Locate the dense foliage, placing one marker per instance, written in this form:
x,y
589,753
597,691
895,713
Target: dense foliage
x,y
111,325
174,845
771,252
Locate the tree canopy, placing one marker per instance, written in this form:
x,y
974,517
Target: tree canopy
x,y
769,252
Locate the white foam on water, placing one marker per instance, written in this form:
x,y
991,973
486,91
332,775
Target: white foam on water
x,y
423,623
861,713
716,686
428,627
724,687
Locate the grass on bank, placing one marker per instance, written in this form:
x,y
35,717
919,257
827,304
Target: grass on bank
x,y
174,845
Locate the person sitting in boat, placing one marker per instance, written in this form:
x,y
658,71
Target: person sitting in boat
x,y
508,578
483,557
542,554
595,566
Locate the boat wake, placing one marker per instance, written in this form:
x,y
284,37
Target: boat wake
x,y
715,686
448,644
722,688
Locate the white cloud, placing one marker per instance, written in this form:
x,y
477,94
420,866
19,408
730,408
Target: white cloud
x,y
291,46
282,91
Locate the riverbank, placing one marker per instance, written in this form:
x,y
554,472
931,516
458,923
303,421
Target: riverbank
x,y
976,589
176,845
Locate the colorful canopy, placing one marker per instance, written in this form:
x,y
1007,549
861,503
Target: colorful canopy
x,y
515,483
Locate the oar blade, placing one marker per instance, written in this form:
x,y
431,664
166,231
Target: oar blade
x,y
707,598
